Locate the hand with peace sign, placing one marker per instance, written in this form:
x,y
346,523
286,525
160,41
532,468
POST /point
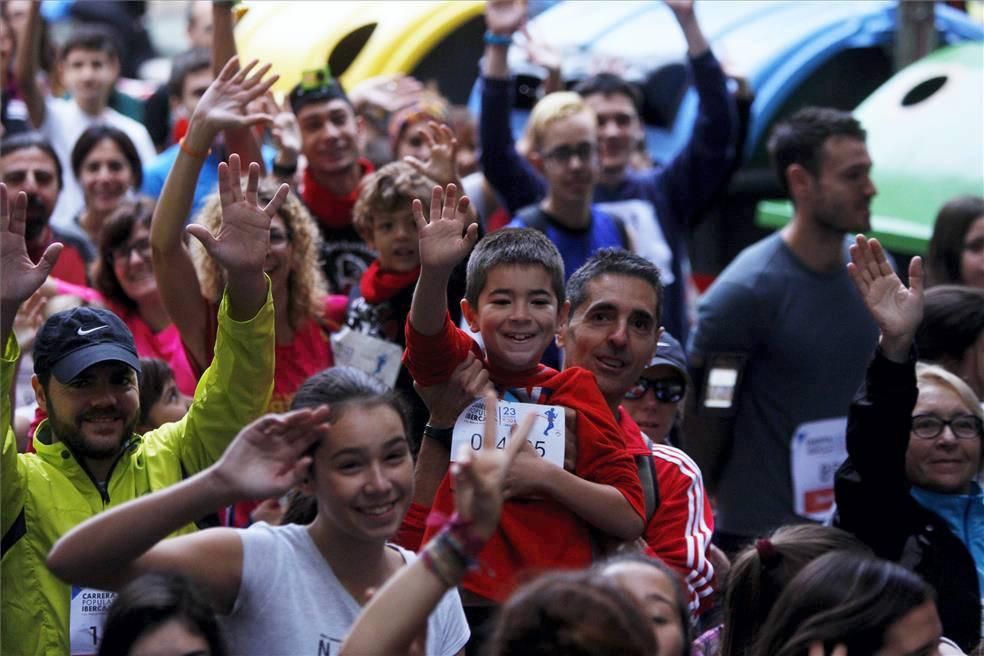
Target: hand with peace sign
x,y
480,475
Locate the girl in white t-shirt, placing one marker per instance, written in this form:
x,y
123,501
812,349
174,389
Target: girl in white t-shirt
x,y
289,589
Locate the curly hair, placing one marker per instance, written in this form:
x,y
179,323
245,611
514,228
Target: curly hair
x,y
390,189
306,286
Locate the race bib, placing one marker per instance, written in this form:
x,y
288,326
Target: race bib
x,y
370,354
817,450
546,437
87,615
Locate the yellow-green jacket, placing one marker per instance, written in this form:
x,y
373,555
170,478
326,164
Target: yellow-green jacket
x,y
47,493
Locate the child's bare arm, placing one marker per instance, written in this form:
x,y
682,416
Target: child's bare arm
x,y
444,241
601,506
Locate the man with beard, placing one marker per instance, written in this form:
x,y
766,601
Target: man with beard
x,y
28,163
87,457
774,368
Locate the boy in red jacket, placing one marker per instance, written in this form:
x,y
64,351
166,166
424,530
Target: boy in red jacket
x,y
514,297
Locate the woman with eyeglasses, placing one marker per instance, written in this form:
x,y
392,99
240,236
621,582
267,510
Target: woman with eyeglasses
x,y
908,488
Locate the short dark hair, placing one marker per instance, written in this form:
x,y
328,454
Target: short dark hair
x,y
95,134
953,320
799,138
613,261
609,84
90,37
152,600
154,375
184,64
513,246
32,139
114,233
947,243
323,88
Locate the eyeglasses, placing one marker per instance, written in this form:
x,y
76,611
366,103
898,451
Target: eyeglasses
x,y
122,253
564,154
964,427
666,390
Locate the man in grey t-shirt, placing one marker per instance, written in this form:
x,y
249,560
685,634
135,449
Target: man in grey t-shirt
x,y
783,339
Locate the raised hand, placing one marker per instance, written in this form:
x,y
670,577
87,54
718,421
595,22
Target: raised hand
x,y
896,309
442,167
479,476
243,239
285,132
504,17
449,236
19,276
266,459
224,104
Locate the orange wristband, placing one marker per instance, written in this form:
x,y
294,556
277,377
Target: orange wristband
x,y
193,153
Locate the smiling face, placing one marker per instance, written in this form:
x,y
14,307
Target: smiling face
x,y
394,238
330,136
94,412
618,130
363,474
943,463
653,591
105,176
517,314
613,333
133,266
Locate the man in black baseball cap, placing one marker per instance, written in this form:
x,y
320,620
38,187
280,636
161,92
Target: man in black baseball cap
x,y
86,368
656,398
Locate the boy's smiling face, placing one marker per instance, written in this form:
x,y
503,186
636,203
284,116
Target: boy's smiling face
x,y
517,314
394,238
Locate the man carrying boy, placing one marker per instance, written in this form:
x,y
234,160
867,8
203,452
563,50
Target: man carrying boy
x,y
613,332
89,66
515,299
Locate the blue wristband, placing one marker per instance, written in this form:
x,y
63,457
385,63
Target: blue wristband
x,y
498,39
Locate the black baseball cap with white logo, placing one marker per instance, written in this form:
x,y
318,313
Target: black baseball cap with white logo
x,y
70,342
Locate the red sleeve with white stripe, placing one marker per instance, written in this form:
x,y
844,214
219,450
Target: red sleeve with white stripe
x,y
679,533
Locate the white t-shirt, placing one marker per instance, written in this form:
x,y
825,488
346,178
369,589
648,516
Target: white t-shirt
x,y
291,604
64,123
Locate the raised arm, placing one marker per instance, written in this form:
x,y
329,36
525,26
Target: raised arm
x,y
444,242
27,60
395,615
683,10
223,104
265,460
504,168
897,310
239,138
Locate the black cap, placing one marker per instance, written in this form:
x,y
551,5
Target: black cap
x,y
669,352
70,342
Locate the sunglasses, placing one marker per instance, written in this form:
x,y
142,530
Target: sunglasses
x,y
667,390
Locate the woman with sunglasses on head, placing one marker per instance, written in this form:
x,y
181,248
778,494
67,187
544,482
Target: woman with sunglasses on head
x,y
914,433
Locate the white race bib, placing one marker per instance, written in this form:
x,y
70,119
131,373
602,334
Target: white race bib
x,y
546,437
88,613
370,354
817,450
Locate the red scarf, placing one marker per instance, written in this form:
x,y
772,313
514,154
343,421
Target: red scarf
x,y
329,209
378,285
